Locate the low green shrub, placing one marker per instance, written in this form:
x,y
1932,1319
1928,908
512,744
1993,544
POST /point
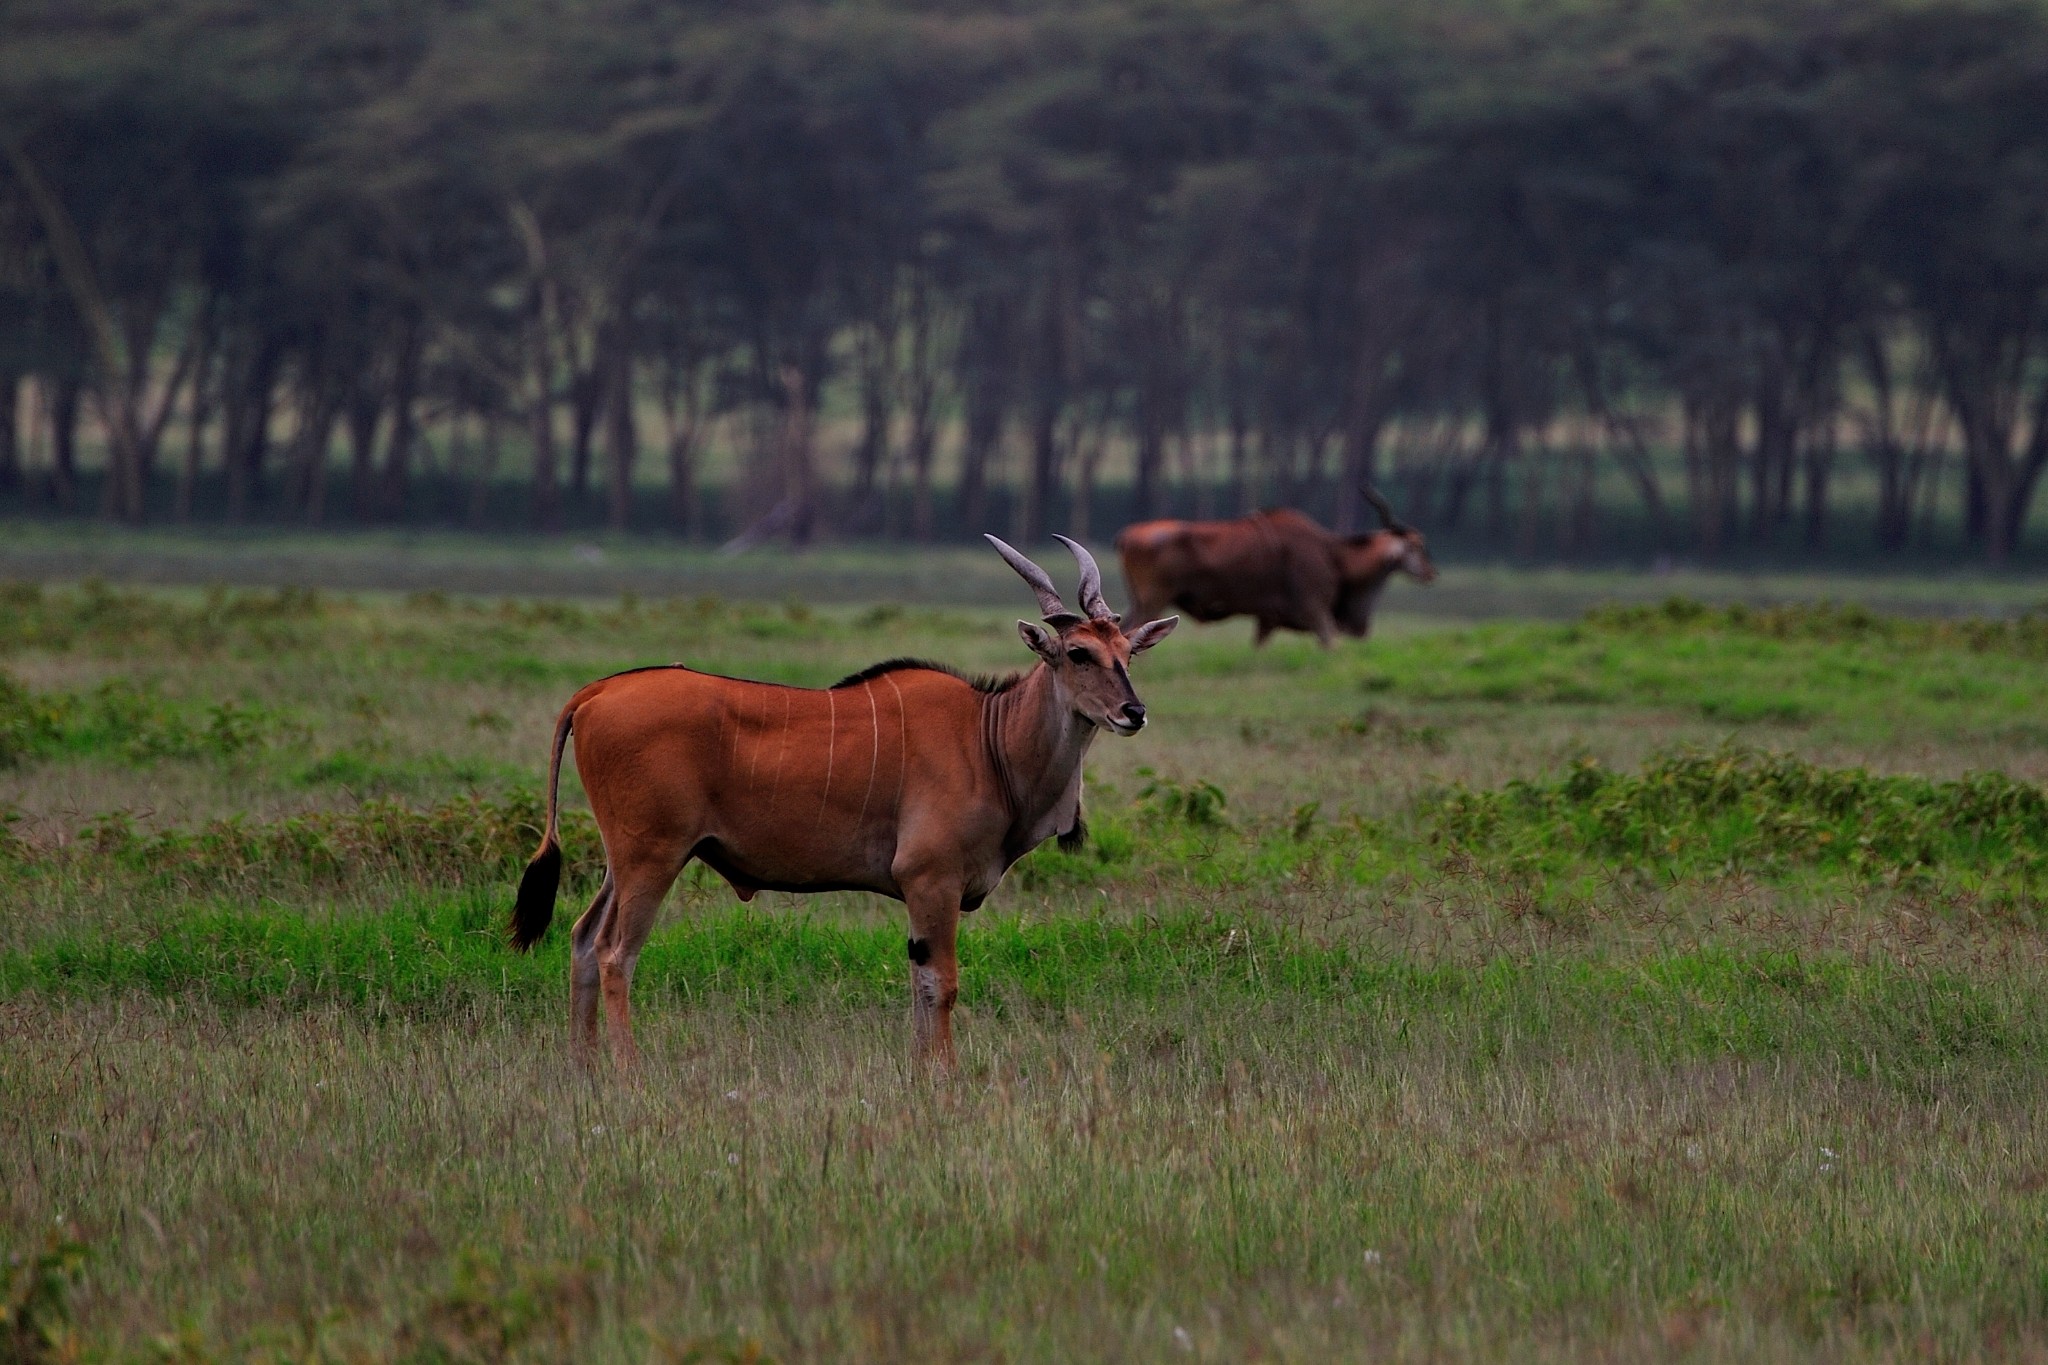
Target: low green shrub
x,y
1693,808
128,722
35,1299
2025,635
1688,813
466,841
95,615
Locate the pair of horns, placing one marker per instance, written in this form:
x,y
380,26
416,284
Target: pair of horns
x,y
1379,503
1056,612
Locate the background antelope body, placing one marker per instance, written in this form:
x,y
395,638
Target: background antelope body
x,y
1277,566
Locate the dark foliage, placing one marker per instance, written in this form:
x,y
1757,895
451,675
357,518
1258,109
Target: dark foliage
x,y
306,261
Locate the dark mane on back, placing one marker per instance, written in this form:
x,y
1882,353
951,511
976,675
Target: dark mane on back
x,y
983,682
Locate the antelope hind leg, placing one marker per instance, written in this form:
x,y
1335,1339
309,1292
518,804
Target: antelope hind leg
x,y
636,903
583,973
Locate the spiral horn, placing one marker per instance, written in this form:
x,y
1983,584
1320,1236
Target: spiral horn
x,y
1092,600
1041,582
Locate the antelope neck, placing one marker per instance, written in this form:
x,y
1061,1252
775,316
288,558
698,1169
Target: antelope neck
x,y
1035,744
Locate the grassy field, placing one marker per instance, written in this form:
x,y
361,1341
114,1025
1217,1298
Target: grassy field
x,y
1479,584
1662,981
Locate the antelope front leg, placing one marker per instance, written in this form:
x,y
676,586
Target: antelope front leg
x,y
934,973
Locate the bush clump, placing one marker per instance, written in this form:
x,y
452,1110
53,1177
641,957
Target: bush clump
x,y
2024,636
106,618
126,721
466,841
1739,806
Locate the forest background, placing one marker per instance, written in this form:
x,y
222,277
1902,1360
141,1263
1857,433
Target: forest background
x,y
1588,280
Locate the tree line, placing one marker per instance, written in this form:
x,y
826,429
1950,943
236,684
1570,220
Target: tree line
x,y
1498,257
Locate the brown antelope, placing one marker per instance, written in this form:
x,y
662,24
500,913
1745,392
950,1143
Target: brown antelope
x,y
905,779
1276,566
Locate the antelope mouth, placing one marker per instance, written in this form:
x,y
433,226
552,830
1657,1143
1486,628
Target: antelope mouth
x,y
1123,728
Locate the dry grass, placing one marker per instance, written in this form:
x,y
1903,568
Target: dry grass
x,y
1306,1075
1128,1184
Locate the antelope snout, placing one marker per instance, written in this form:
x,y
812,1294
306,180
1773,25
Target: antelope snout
x,y
1134,714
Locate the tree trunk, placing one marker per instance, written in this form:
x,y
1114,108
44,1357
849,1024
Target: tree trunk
x,y
2001,479
1504,416
2011,493
1974,501
1894,491
1580,468
309,450
396,483
247,438
1045,467
1529,524
365,414
1150,454
1819,464
683,412
198,416
1712,460
622,437
798,449
1503,455
65,404
682,419
1776,434
1364,416
1625,434
485,474
1930,513
585,399
921,389
1195,451
1884,448
874,359
547,495
983,430
1361,456
10,429
1276,457
1049,391
1088,448
1240,468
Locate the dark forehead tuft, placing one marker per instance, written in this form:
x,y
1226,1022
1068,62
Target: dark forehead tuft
x,y
1107,632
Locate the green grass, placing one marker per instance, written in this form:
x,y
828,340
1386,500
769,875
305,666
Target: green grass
x,y
1738,808
426,958
1665,983
1836,670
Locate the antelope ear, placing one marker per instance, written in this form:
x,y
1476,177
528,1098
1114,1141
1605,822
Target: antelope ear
x,y
1151,633
1044,643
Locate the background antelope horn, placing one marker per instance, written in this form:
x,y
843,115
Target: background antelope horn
x,y
1092,600
1380,505
1040,581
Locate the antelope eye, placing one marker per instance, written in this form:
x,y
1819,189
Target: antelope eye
x,y
1080,656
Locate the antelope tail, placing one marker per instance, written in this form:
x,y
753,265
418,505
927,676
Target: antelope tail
x,y
534,908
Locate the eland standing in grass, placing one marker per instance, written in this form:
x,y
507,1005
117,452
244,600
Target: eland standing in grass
x,y
905,779
1276,566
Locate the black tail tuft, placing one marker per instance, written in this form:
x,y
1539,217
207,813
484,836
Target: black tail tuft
x,y
535,907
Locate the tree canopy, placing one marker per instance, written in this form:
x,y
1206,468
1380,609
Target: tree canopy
x,y
1221,251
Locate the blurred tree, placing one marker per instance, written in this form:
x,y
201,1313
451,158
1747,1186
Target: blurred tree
x,y
1174,257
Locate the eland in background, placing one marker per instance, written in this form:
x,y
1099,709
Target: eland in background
x,y
1277,567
